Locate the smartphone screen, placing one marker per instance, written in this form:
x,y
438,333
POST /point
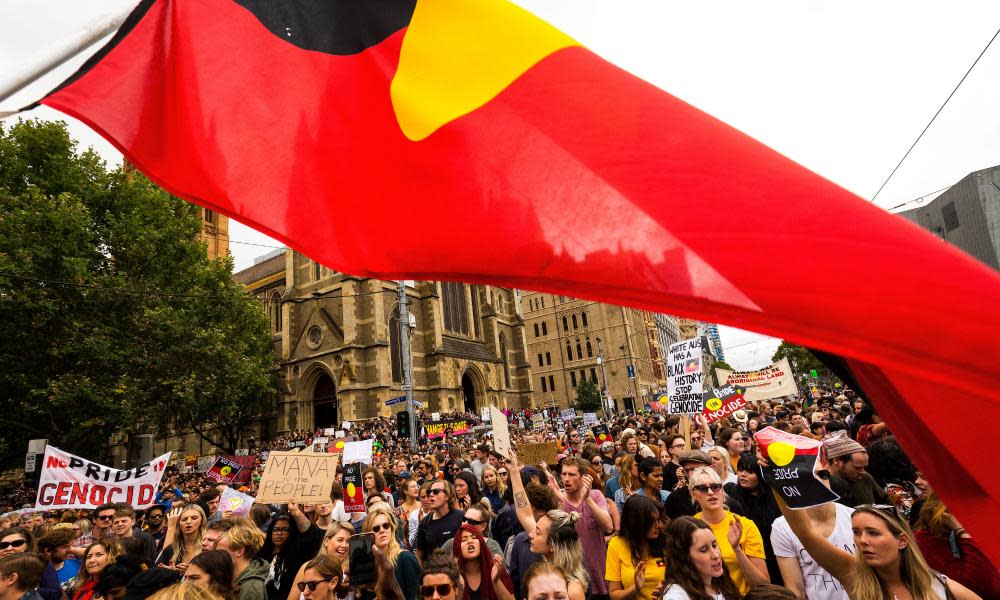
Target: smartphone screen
x,y
362,560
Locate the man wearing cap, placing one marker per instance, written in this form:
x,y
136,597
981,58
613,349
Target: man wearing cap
x,y
848,461
680,503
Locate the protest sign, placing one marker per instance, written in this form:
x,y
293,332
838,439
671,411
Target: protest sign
x,y
723,401
190,460
337,447
501,435
435,416
68,481
322,440
532,454
770,382
568,414
589,419
354,493
298,477
485,414
358,452
684,377
205,463
437,430
794,463
236,502
602,434
229,469
243,452
537,421
330,432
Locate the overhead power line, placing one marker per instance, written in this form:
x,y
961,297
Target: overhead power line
x,y
960,82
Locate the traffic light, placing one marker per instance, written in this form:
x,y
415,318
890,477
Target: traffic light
x,y
403,424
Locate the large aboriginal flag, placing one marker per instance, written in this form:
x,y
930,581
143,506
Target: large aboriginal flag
x,y
470,140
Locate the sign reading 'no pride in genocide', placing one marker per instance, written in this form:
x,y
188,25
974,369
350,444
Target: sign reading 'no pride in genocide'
x,y
304,477
793,467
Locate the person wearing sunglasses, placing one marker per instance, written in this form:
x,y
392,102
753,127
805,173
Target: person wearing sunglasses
x,y
738,538
440,579
321,579
15,540
887,563
443,521
405,566
478,516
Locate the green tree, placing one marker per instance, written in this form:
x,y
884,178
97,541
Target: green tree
x,y
112,317
588,397
801,360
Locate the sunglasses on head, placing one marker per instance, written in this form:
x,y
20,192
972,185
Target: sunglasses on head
x,y
704,488
15,544
310,584
442,589
886,510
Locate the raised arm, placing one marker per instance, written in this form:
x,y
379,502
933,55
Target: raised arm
x,y
521,505
835,561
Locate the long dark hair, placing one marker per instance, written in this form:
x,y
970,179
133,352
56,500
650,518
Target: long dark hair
x,y
470,480
639,515
219,566
682,571
267,552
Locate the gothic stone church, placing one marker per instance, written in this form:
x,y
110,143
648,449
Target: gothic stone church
x,y
338,347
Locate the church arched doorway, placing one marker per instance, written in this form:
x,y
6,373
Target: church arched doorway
x,y
469,393
324,402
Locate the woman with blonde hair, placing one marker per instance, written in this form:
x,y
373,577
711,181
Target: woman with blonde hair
x,y
185,529
628,480
739,540
182,591
722,465
336,545
405,566
97,558
887,564
493,487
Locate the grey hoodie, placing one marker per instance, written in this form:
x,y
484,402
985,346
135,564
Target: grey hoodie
x,y
251,580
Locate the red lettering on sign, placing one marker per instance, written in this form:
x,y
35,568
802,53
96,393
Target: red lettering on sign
x,y
54,463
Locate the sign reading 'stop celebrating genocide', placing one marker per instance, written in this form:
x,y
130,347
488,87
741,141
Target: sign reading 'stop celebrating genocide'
x,y
684,377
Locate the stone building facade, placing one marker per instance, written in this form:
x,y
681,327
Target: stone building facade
x,y
337,339
566,338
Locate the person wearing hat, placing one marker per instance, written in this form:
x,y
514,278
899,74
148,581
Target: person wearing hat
x,y
847,461
680,503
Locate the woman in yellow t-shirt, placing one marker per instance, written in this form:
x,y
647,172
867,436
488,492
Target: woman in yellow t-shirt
x,y
738,537
635,565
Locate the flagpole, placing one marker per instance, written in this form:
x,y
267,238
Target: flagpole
x,y
92,33
404,343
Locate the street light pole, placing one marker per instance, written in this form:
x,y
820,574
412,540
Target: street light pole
x,y
404,350
607,393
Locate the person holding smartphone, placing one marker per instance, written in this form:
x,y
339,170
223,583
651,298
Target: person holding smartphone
x,y
382,523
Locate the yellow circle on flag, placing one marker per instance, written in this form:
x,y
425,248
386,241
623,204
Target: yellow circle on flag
x,y
351,490
781,453
713,404
339,444
664,399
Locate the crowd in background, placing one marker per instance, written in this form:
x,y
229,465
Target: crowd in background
x,y
657,511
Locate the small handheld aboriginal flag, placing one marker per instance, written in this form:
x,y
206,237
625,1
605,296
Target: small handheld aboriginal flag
x,y
794,468
354,493
601,434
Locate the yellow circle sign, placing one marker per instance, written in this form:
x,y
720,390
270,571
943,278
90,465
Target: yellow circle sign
x,y
713,404
663,399
351,490
781,453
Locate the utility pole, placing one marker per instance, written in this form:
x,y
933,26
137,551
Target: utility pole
x,y
404,349
607,393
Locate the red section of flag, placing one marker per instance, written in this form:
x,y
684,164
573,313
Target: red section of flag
x,y
578,179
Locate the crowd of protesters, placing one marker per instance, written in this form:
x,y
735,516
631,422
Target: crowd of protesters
x,y
666,509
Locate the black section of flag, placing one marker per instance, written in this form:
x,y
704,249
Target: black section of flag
x,y
341,27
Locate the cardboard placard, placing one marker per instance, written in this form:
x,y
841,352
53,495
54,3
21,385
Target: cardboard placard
x,y
794,464
532,454
354,493
304,477
501,434
684,377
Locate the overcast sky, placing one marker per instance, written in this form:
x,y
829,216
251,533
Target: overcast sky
x,y
843,88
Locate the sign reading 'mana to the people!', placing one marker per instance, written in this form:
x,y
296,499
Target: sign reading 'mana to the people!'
x,y
305,477
794,467
684,384
68,481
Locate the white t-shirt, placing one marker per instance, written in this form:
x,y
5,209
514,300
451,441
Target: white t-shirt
x,y
819,584
676,592
338,513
